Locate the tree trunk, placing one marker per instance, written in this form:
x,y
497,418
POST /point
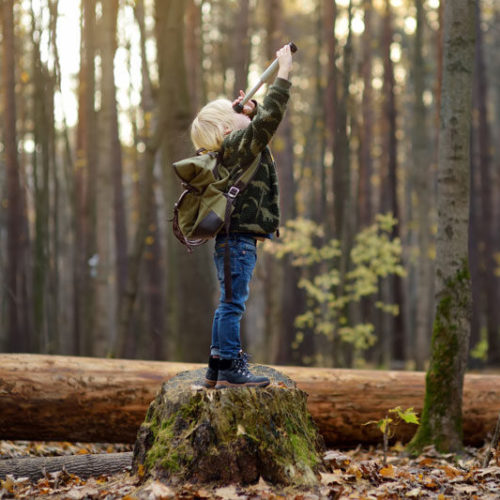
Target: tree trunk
x,y
278,280
55,217
242,47
394,342
83,466
43,130
105,329
345,222
421,188
62,286
105,400
85,187
154,345
365,210
154,285
124,342
17,335
194,53
487,306
441,422
330,111
190,278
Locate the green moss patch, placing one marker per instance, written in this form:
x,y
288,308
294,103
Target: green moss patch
x,y
229,436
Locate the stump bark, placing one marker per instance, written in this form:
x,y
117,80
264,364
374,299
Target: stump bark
x,y
234,435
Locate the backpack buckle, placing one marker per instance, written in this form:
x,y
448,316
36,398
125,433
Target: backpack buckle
x,y
233,192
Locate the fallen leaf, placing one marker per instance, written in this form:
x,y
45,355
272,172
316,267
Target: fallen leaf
x,y
488,473
8,483
355,471
329,478
452,472
414,493
337,460
430,483
387,472
141,470
227,492
426,462
81,492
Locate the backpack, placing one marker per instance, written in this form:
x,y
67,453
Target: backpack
x,y
207,202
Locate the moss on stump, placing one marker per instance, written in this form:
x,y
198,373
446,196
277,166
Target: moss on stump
x,y
235,435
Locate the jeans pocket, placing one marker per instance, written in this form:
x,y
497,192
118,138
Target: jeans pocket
x,y
247,258
243,257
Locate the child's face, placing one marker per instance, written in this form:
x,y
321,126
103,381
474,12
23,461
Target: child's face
x,y
241,121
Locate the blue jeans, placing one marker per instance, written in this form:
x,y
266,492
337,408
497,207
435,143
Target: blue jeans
x,y
226,325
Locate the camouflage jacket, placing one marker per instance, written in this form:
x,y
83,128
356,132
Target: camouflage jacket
x,y
257,207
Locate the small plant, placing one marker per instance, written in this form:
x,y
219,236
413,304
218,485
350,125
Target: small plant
x,y
387,424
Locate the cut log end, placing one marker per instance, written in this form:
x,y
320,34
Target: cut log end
x,y
229,436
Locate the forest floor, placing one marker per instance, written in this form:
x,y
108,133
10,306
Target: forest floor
x,y
352,474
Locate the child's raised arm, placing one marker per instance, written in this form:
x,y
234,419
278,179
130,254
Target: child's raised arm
x,y
284,56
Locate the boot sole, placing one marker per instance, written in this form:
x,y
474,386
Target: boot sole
x,y
224,384
210,384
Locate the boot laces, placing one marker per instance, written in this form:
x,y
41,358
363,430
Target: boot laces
x,y
242,364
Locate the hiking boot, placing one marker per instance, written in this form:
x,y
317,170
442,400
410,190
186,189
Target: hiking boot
x,y
238,375
214,365
212,372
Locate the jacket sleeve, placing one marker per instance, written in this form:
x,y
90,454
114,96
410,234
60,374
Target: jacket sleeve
x,y
242,146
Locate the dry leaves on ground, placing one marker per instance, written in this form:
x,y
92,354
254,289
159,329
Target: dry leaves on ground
x,y
354,474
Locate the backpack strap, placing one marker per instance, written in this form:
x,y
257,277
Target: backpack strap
x,y
238,186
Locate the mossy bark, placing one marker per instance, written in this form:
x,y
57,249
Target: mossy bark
x,y
441,423
229,436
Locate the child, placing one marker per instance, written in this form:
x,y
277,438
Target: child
x,y
240,138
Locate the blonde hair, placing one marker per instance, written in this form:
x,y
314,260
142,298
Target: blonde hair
x,y
211,124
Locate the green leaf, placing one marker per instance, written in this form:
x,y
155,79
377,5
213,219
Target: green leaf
x,y
409,416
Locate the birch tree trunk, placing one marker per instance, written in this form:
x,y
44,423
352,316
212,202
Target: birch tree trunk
x,y
441,423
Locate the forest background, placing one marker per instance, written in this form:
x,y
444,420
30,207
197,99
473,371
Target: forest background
x,y
97,99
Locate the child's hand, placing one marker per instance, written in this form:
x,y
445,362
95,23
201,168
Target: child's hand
x,y
248,108
284,56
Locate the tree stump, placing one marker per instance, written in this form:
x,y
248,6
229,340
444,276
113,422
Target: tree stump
x,y
228,436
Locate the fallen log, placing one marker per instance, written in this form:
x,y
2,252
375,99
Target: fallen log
x,y
105,400
83,466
